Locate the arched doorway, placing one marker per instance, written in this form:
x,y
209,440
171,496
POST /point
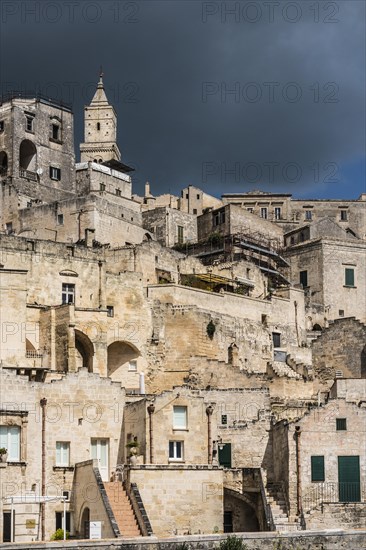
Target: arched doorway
x,y
240,513
85,351
28,156
84,524
122,360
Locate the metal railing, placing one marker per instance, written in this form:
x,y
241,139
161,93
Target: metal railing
x,y
33,354
331,493
267,508
28,174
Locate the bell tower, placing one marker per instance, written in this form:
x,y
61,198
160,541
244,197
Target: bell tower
x,y
100,129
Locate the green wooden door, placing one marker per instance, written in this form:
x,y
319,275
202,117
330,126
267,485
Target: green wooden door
x,y
225,455
349,478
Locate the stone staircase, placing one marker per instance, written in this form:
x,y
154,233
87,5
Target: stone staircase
x,y
277,502
122,509
300,368
281,369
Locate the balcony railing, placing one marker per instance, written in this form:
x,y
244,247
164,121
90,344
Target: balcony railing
x,y
28,174
331,493
33,354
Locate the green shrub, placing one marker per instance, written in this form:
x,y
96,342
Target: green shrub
x,y
59,535
233,543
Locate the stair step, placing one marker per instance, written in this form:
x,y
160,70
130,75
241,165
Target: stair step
x,y
122,509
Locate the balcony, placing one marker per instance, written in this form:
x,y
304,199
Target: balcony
x,y
28,175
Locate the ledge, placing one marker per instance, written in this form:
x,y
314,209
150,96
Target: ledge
x,y
63,468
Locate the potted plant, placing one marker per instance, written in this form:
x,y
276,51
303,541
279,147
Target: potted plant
x,y
132,446
3,454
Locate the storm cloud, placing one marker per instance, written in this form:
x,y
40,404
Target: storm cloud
x,y
227,96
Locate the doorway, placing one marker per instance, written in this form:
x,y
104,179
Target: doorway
x,y
225,455
349,479
99,451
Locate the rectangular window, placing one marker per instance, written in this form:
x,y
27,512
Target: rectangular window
x,y
9,228
10,440
341,424
198,197
110,311
308,215
250,210
60,219
224,419
62,453
132,365
349,276
180,418
180,234
102,186
68,293
29,123
1,126
276,339
341,312
59,520
277,213
317,468
55,173
344,216
304,279
217,218
176,450
194,210
264,213
55,131
118,192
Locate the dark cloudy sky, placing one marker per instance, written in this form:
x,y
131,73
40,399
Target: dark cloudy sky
x,y
227,96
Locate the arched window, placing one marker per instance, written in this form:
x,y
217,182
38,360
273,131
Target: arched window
x,y
122,358
85,349
28,156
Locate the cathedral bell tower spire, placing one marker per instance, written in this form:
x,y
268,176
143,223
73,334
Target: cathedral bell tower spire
x,y
100,129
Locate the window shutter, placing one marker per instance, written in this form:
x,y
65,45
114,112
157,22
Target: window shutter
x,y
58,453
14,443
317,468
4,437
180,417
350,277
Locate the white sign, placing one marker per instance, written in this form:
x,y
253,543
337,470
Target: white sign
x,y
95,530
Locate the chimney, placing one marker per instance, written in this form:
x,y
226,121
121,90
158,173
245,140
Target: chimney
x,y
147,189
142,383
89,235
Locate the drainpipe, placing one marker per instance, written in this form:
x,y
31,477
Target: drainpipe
x,y
209,411
151,410
43,404
298,469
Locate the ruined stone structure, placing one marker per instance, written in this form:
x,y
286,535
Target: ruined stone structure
x,y
170,365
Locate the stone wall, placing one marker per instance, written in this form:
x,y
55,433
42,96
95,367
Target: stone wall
x,y
341,347
80,406
310,540
181,500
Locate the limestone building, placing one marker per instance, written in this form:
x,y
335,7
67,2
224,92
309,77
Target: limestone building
x,y
160,354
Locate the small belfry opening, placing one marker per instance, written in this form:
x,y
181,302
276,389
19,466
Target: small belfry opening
x,y
85,351
28,156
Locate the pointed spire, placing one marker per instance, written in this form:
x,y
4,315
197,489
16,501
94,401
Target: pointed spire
x,y
100,97
101,74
